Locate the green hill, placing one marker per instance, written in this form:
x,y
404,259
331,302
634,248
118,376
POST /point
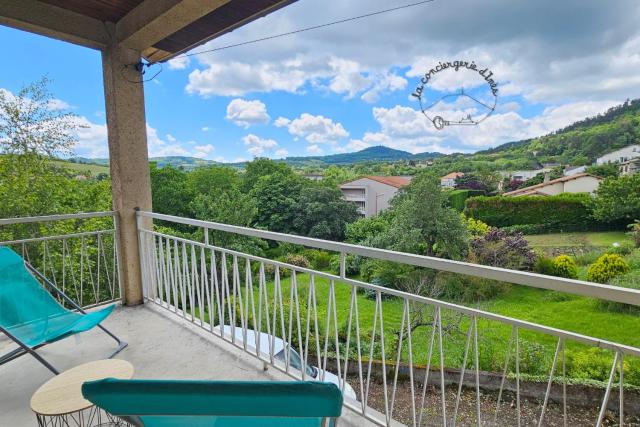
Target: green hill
x,y
583,141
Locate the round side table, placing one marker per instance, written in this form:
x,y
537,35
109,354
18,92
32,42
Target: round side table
x,y
59,401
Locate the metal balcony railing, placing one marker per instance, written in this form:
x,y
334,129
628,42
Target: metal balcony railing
x,y
77,252
411,358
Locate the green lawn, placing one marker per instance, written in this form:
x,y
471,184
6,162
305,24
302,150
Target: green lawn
x,y
575,314
82,167
559,240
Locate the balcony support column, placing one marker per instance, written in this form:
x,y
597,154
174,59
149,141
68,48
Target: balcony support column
x,y
128,157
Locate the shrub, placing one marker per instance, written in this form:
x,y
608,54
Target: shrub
x,y
475,227
635,232
621,249
630,280
564,212
565,266
352,265
606,268
320,260
544,265
297,260
456,287
501,249
457,198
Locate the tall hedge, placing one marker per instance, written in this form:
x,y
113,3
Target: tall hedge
x,y
564,212
457,198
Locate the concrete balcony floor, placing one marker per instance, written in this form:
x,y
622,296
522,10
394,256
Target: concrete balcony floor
x,y
161,345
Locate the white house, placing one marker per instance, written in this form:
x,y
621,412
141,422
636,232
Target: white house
x,y
630,167
620,156
449,180
578,183
523,175
373,193
573,171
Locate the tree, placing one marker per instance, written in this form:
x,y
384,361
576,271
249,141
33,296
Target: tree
x,y
259,168
170,190
423,223
605,171
212,179
277,198
617,199
29,125
323,213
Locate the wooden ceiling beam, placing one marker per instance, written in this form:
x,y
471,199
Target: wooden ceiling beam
x,y
55,22
154,20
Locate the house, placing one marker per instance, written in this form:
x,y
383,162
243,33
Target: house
x,y
449,180
573,171
578,183
630,167
372,194
314,176
523,175
620,156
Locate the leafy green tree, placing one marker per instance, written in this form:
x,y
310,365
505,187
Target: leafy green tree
x,y
259,168
323,213
277,198
605,171
423,223
617,199
170,190
366,229
334,175
211,180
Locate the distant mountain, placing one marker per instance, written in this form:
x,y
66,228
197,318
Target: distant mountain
x,y
379,153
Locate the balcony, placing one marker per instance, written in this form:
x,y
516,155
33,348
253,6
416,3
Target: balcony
x,y
380,345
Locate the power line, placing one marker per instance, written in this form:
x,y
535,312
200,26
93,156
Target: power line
x,y
301,30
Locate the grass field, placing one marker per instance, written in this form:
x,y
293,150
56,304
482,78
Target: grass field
x,y
560,240
572,313
82,167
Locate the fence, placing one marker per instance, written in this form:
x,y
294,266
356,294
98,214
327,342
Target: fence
x,y
395,349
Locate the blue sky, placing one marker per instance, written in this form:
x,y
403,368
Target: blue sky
x,y
348,87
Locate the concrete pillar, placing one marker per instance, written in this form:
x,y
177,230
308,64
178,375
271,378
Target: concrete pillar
x,y
128,157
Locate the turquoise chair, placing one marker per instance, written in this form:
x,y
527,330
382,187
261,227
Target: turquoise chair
x,y
158,403
31,317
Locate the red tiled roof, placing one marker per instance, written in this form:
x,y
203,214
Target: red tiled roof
x,y
394,181
452,175
544,184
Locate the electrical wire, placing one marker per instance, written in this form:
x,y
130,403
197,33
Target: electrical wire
x,y
301,30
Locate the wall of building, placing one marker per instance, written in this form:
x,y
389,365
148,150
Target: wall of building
x,y
376,194
622,155
584,184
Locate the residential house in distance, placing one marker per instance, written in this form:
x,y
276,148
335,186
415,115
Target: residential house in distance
x,y
449,180
574,171
373,193
578,183
630,166
620,156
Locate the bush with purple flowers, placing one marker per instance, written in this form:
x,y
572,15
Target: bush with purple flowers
x,y
499,248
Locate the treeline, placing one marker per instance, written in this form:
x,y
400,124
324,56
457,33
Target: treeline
x,y
268,195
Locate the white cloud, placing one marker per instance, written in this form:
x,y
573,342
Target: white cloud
x,y
281,153
92,139
57,105
316,129
386,83
159,148
314,149
257,145
246,113
205,129
281,122
203,151
179,63
347,77
171,138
